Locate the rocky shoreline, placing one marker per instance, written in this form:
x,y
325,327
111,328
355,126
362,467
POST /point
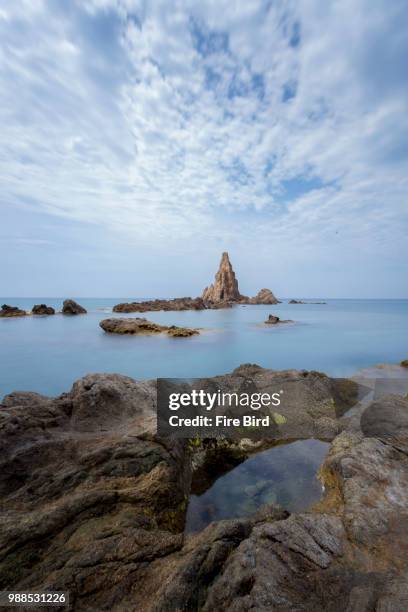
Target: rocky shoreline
x,y
93,502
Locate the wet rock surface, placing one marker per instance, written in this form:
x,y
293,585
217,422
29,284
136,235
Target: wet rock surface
x,y
93,502
42,309
11,311
140,325
70,307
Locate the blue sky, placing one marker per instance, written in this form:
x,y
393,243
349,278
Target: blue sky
x,y
140,139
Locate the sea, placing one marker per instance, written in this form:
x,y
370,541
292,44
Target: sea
x,y
47,354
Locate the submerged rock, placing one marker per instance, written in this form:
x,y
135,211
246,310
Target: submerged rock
x,y
42,309
302,302
71,307
181,332
140,325
11,311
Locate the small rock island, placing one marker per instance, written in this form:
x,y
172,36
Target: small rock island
x,y
70,307
11,311
140,325
274,320
42,309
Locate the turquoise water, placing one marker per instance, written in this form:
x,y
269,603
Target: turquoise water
x,y
284,475
46,354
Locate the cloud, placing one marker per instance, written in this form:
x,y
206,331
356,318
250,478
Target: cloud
x,y
211,120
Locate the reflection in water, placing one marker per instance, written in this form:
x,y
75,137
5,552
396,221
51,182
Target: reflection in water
x,y
284,474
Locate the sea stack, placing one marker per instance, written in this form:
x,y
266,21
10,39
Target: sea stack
x,y
225,287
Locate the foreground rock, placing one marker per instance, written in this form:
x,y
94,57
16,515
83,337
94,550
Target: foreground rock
x,y
70,307
11,311
94,503
42,309
139,325
90,497
185,303
404,363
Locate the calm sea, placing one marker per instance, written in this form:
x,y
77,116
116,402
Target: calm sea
x,y
46,354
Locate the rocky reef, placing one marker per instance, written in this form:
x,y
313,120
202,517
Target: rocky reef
x,y
223,293
140,325
93,502
184,303
70,307
42,309
11,311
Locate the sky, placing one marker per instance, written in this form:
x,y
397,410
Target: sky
x,y
140,139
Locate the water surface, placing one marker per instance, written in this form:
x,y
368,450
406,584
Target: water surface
x,y
47,354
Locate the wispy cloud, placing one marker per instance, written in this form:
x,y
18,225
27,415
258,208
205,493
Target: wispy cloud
x,y
212,119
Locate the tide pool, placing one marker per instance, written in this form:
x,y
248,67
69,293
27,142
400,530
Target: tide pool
x,y
47,354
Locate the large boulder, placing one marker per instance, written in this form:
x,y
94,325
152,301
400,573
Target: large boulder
x,y
264,296
90,496
11,311
70,307
42,309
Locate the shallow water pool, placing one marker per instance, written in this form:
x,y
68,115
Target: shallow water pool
x,y
285,474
